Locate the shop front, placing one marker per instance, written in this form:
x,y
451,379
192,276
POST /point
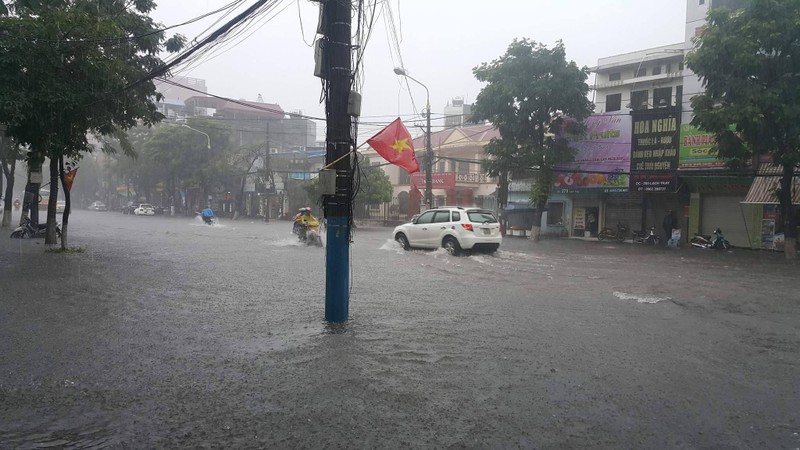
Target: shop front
x,y
762,199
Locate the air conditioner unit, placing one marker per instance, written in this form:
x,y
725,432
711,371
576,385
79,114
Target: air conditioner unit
x,y
273,151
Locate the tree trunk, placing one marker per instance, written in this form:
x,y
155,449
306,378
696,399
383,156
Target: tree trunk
x,y
50,238
65,217
536,230
240,200
787,213
9,172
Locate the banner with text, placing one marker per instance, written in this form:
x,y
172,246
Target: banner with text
x,y
602,157
440,180
654,150
697,149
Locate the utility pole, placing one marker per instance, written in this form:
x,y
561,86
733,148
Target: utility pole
x,y
428,145
429,156
267,176
337,24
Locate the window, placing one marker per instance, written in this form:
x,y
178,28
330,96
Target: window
x,y
403,177
613,102
669,68
640,99
462,167
614,76
426,217
640,72
555,213
456,216
702,2
662,97
657,70
441,217
680,66
441,166
679,96
481,217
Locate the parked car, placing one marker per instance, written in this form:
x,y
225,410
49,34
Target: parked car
x,y
454,228
97,206
132,206
60,206
145,210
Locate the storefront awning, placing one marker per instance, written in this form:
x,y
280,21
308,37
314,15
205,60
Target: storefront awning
x,y
762,191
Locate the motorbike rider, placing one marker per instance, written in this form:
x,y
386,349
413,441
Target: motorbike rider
x,y
208,215
307,222
296,220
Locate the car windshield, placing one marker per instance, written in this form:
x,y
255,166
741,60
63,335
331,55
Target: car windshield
x,y
481,216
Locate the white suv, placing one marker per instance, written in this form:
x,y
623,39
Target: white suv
x,y
454,228
145,210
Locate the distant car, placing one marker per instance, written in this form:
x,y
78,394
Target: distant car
x,y
145,210
60,205
130,208
97,206
453,228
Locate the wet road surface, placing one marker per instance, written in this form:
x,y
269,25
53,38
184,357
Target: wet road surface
x,y
169,333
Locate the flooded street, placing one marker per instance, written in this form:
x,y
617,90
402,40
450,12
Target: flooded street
x,y
169,333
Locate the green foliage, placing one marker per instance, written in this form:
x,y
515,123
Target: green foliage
x,y
530,89
374,185
749,64
68,68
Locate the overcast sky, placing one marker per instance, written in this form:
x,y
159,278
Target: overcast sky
x,y
440,42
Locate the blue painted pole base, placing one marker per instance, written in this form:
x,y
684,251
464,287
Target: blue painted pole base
x,y
337,270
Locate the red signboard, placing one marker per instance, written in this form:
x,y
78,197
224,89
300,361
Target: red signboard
x,y
441,180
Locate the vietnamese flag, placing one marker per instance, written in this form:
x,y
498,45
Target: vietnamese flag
x,y
395,145
69,177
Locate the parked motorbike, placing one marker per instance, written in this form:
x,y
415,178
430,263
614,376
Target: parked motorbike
x,y
619,234
717,242
28,230
646,237
308,235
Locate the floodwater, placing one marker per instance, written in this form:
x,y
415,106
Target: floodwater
x,y
166,332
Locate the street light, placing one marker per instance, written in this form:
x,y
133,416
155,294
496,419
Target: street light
x,y
193,129
428,149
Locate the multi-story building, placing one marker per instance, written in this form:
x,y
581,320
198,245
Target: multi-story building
x,y
680,172
456,113
458,178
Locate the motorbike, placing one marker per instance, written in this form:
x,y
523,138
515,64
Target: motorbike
x,y
307,234
210,220
718,242
28,230
646,237
619,234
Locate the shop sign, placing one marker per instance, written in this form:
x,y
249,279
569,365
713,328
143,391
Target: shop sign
x,y
440,180
579,218
697,149
602,157
654,150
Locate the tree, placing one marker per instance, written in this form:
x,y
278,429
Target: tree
x,y
9,154
529,91
374,185
73,67
749,63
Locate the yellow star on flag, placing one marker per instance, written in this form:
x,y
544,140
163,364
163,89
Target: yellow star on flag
x,y
400,145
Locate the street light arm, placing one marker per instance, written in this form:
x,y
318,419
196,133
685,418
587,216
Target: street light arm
x,y
206,134
403,73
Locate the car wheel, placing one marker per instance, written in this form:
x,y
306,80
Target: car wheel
x,y
493,249
402,240
451,245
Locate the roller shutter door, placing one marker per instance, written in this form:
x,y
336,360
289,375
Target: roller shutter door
x,y
626,209
724,211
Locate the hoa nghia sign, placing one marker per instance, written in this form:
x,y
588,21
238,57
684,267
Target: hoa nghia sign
x,y
654,150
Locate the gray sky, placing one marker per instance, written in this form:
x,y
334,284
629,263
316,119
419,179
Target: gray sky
x,y
440,42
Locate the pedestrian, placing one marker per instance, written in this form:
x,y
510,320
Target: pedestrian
x,y
669,224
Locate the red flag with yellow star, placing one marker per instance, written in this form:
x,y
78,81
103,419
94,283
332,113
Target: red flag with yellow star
x,y
69,177
395,145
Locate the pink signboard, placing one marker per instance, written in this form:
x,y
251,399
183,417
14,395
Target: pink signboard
x,y
441,180
602,158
